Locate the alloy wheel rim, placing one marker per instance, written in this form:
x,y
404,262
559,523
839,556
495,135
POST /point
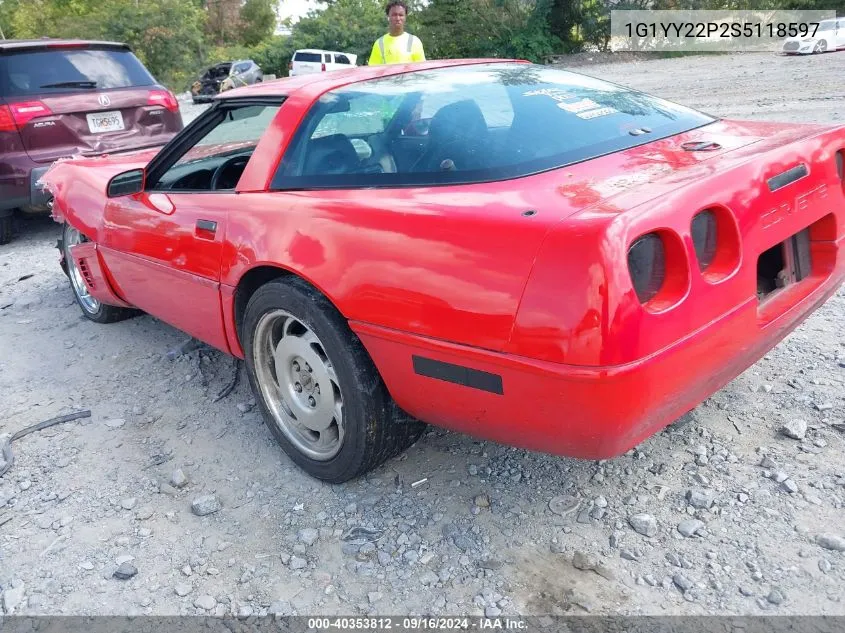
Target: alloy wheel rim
x,y
299,384
89,303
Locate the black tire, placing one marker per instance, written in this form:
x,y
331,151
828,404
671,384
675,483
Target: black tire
x,y
6,223
99,312
374,428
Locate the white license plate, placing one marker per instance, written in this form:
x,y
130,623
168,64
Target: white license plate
x,y
105,122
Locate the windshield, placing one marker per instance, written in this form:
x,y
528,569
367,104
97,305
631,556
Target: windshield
x,y
61,70
470,124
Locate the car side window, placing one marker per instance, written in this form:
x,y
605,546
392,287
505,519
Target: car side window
x,y
327,58
342,59
216,157
241,68
342,136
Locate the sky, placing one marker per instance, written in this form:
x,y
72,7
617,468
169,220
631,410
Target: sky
x,y
295,8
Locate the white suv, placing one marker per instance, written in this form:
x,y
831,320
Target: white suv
x,y
313,60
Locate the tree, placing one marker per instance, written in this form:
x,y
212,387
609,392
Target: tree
x,y
165,34
258,21
223,21
7,12
563,16
345,25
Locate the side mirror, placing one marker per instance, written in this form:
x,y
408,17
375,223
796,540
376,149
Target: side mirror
x,y
126,184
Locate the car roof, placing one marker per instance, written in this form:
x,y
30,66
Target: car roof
x,y
311,86
47,43
319,50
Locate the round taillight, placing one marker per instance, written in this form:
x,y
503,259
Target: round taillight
x,y
704,238
647,266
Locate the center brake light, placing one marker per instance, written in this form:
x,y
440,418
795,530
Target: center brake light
x,y
163,98
21,114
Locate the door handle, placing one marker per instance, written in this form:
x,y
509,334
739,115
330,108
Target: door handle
x,y
206,229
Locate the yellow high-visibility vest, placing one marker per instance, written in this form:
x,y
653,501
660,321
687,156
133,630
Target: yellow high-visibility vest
x,y
397,50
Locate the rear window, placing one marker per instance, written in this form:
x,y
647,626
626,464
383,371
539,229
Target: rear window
x,y
60,70
470,124
307,57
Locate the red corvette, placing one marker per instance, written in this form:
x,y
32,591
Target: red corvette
x,y
514,252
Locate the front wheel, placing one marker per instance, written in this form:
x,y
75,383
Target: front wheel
x,y
820,47
91,307
319,391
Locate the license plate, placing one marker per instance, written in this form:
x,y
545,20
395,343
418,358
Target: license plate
x,y
105,122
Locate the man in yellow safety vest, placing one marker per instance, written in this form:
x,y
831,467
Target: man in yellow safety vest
x,y
397,46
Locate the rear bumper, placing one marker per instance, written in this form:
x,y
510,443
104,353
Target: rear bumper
x,y
19,190
585,412
38,198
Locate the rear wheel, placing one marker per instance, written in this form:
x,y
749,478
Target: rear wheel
x,y
320,393
91,307
6,228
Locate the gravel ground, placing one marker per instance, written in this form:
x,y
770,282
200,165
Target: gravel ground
x,y
166,502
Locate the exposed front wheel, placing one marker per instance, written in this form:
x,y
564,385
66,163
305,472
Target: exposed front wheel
x,y
820,47
319,391
91,307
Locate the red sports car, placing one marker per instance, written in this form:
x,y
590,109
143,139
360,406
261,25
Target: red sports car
x,y
515,252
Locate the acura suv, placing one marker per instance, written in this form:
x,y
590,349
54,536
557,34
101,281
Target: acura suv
x,y
63,98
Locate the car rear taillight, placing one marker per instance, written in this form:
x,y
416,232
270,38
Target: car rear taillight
x,y
7,123
163,98
23,113
704,238
647,266
323,68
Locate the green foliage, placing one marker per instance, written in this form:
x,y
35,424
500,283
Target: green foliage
x,y
273,55
345,25
167,35
258,21
8,8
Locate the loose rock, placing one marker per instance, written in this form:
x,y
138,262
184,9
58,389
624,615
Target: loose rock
x,y
796,429
644,524
831,541
701,499
205,602
178,479
183,589
309,536
690,527
125,571
205,505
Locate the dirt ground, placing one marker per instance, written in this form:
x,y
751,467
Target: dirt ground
x,y
490,530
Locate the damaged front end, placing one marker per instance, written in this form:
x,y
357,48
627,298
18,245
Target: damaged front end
x,y
211,82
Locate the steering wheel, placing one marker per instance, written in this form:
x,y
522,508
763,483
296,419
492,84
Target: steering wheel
x,y
227,164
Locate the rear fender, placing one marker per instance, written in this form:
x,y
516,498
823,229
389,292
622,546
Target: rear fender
x,y
87,258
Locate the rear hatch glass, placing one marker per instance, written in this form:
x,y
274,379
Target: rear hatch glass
x,y
36,73
308,57
83,100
